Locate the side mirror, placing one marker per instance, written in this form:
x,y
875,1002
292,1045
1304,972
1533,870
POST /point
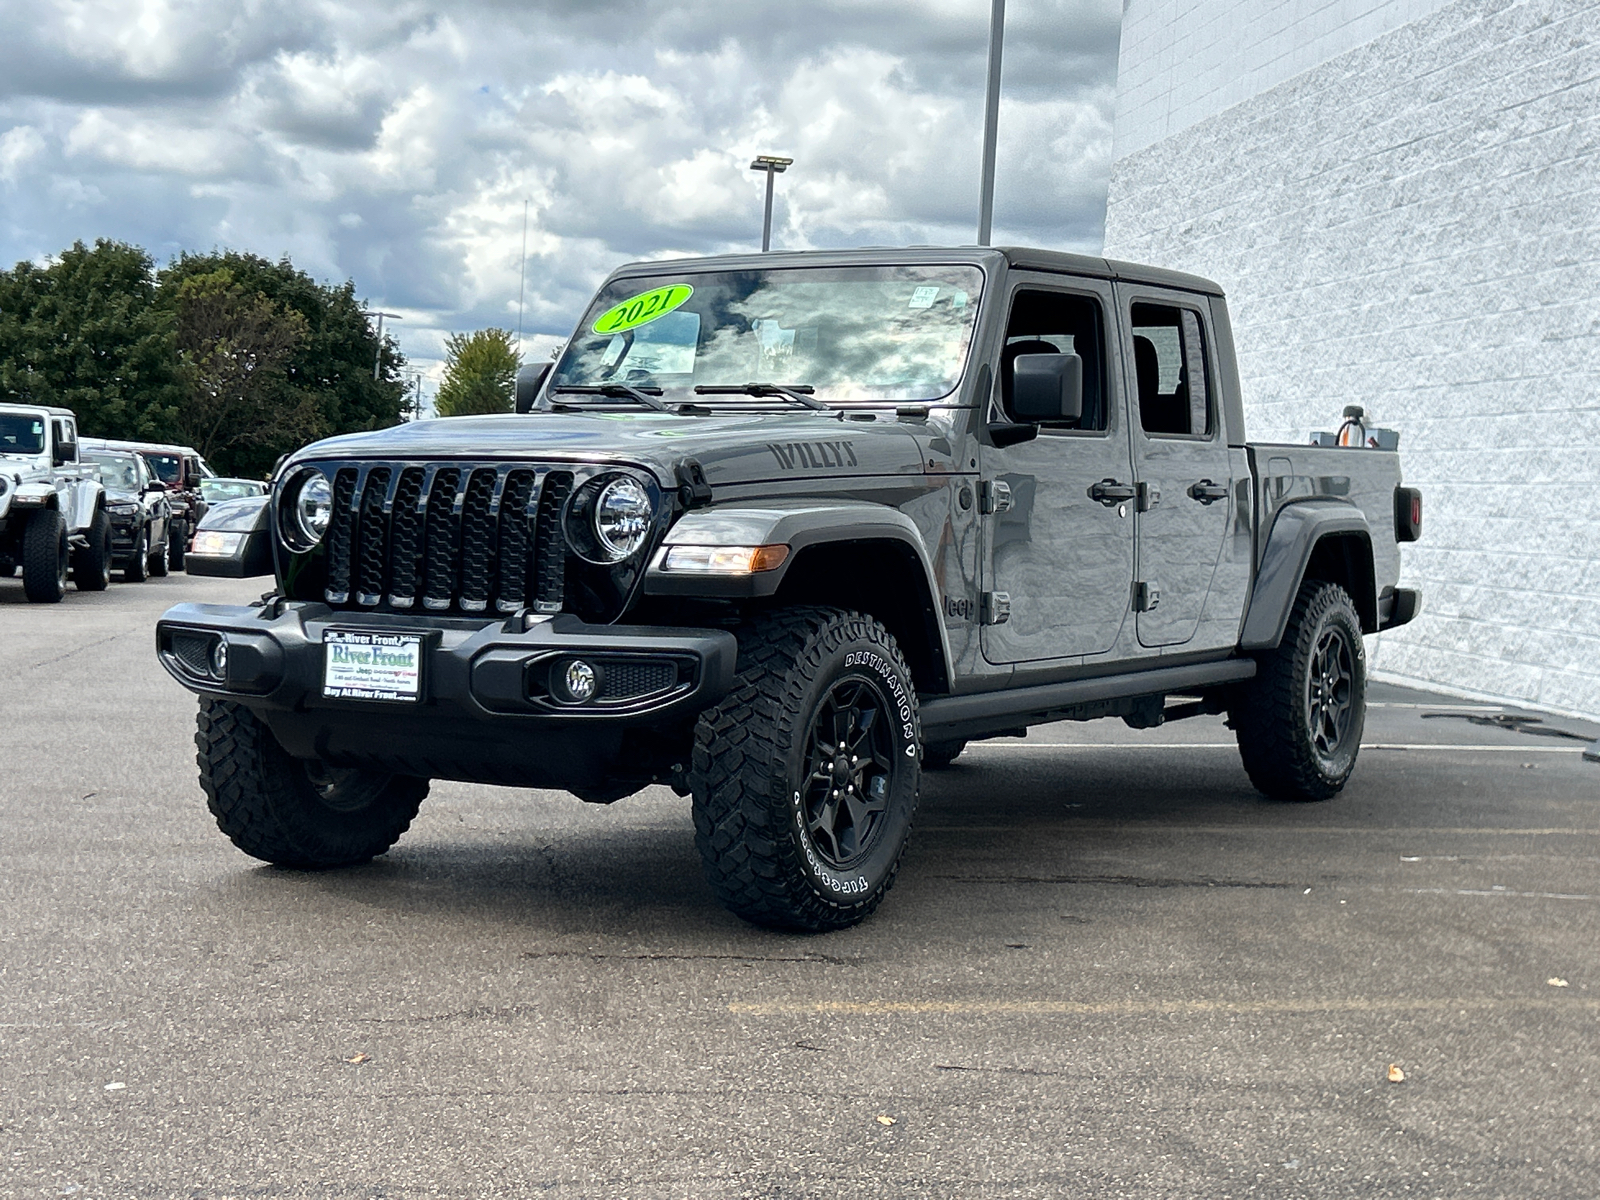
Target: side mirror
x,y
191,481
153,487
1047,387
529,380
63,453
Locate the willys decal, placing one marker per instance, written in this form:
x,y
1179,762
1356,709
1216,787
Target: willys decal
x,y
791,455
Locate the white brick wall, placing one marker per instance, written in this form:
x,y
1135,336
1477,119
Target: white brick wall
x,y
1185,60
1414,225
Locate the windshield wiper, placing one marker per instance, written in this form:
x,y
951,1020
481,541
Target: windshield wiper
x,y
618,391
800,393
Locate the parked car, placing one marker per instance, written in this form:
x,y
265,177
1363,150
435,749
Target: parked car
x,y
182,470
141,513
778,531
233,540
52,506
217,488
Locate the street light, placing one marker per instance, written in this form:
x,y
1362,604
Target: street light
x,y
772,165
377,360
991,121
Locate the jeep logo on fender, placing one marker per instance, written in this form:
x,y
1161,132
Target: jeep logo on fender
x,y
813,454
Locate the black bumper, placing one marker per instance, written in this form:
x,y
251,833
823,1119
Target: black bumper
x,y
489,708
1399,608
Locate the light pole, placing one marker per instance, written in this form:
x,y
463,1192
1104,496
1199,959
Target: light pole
x,y
991,121
377,360
772,165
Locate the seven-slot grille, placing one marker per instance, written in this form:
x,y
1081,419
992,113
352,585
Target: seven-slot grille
x,y
463,536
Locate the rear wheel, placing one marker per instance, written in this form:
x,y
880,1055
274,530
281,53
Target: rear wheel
x,y
158,555
290,812
1299,721
44,557
805,775
91,566
138,567
177,544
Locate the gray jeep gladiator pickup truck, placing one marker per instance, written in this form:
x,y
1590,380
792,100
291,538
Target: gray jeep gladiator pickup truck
x,y
783,531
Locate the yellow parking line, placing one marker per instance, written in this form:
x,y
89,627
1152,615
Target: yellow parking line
x,y
1085,1008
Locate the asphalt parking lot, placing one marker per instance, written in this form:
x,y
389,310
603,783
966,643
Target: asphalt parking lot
x,y
1109,969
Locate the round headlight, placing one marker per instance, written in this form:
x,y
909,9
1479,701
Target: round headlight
x,y
622,514
312,506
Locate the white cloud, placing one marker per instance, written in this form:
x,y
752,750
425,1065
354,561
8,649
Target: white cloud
x,y
397,146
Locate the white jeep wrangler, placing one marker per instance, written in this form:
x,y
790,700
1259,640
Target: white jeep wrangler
x,y
52,506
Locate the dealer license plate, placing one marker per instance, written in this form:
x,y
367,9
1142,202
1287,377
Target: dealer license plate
x,y
358,665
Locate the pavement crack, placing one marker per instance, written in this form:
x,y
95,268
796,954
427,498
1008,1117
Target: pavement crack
x,y
74,652
998,1070
1532,726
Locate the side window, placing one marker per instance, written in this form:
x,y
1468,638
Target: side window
x,y
1169,360
1058,323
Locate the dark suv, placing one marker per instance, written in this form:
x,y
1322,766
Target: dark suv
x,y
141,513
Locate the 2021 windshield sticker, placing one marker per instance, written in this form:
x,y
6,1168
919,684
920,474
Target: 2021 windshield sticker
x,y
643,308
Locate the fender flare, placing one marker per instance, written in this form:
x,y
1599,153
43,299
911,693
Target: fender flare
x,y
798,526
1286,553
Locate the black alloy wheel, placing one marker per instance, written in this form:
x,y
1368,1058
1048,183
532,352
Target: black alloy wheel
x,y
853,763
137,568
1330,694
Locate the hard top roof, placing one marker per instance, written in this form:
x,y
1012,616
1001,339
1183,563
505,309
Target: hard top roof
x,y
114,444
52,409
1017,257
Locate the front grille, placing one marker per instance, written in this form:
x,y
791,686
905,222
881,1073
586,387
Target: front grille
x,y
468,538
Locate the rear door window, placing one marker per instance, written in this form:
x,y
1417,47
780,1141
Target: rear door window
x,y
1169,359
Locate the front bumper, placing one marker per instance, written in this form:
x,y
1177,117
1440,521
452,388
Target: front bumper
x,y
489,707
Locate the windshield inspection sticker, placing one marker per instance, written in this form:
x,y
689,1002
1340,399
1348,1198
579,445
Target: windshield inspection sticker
x,y
643,308
923,297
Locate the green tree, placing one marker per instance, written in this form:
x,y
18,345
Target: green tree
x,y
87,331
332,364
480,373
234,349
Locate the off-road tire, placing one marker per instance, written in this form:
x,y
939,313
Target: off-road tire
x,y
137,569
1275,716
44,557
158,555
177,544
270,806
91,566
750,767
939,756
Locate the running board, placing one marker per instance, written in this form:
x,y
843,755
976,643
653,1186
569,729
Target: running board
x,y
987,714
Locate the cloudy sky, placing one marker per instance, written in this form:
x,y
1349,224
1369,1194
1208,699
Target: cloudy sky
x,y
395,144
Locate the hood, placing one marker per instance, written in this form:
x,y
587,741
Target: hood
x,y
736,448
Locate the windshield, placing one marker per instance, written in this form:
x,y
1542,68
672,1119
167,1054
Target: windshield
x,y
119,472
164,465
21,433
862,334
215,490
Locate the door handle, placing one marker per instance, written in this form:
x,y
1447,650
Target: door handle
x,y
1111,493
1207,492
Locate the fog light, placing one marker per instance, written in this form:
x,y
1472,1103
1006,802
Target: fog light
x,y
580,680
219,659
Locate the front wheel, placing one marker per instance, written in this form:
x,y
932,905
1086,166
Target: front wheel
x,y
45,557
805,775
290,812
138,566
1299,721
91,566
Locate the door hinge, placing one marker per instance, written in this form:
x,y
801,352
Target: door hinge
x,y
1149,496
995,608
1146,595
994,496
